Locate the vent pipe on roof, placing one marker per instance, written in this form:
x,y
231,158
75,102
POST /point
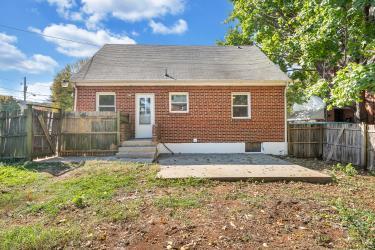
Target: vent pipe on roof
x,y
167,75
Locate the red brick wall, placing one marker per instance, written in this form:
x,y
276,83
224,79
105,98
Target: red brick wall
x,y
209,118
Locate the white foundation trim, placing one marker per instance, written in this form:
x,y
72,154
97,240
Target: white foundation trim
x,y
275,148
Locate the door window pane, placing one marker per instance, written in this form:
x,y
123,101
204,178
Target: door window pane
x,y
145,110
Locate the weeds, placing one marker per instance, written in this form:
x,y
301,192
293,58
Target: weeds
x,y
360,223
347,169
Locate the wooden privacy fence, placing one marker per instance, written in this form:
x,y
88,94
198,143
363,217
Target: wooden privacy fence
x,y
90,133
342,142
13,135
29,134
40,132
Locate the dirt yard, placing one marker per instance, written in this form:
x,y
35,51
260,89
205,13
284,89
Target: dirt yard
x,y
106,205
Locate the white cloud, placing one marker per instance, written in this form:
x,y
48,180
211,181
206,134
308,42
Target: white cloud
x,y
94,11
63,6
179,27
94,39
130,10
11,58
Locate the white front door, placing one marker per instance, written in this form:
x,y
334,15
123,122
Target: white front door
x,y
144,115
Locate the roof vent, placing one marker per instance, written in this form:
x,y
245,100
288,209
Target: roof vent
x,y
167,75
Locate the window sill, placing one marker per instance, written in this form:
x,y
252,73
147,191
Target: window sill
x,y
177,112
241,118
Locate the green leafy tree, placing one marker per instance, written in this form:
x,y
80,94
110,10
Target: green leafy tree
x,y
8,103
62,97
317,42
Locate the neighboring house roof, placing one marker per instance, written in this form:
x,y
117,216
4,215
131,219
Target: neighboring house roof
x,y
118,62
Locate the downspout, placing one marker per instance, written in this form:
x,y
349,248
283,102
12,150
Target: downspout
x,y
75,98
286,118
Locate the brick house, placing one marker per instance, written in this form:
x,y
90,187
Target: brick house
x,y
199,99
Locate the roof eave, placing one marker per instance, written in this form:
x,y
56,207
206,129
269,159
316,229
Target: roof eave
x,y
203,82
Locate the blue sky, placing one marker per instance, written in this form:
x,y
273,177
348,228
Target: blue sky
x,y
94,22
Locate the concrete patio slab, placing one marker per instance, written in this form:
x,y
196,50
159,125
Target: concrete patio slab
x,y
258,167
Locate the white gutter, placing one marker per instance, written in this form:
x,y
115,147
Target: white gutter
x,y
109,83
286,118
75,98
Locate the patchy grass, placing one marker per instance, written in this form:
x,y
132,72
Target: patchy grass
x,y
38,237
176,202
16,175
115,212
123,205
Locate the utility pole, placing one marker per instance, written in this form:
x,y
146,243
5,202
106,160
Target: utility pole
x,y
24,89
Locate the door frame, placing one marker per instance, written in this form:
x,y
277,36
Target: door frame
x,y
137,95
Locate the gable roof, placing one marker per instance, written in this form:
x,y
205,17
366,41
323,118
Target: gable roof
x,y
118,62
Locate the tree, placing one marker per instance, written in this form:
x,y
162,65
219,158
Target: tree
x,y
62,97
317,42
8,103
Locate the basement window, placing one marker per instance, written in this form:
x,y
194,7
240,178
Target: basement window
x,y
179,102
253,147
106,101
241,105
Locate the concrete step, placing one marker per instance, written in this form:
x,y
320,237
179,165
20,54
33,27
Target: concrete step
x,y
137,149
138,143
133,155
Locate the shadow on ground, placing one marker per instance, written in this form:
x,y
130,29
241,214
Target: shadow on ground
x,y
55,168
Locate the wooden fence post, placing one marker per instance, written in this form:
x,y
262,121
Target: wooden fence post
x,y
289,141
321,141
59,139
364,145
29,132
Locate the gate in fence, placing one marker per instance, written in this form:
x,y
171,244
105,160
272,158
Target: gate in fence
x,y
342,142
45,131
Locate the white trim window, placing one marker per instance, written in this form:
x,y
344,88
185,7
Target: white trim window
x,y
106,101
179,102
241,105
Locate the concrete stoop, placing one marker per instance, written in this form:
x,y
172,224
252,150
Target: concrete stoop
x,y
138,150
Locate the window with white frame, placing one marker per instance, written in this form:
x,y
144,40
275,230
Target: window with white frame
x,y
179,102
241,105
105,101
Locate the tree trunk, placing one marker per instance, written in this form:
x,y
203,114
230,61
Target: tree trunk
x,y
361,113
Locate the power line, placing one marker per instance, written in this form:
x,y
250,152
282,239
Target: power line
x,y
54,37
20,91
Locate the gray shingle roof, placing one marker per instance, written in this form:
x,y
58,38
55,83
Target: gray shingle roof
x,y
115,62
